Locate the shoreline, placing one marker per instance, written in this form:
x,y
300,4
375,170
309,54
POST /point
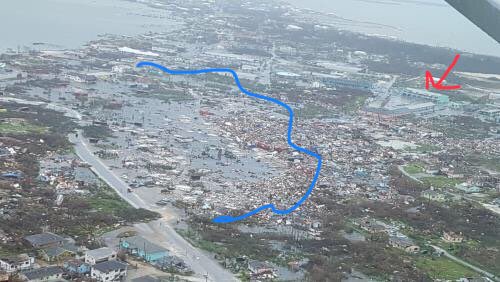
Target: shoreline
x,y
378,29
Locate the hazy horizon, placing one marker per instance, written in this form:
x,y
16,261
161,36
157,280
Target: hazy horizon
x,y
443,25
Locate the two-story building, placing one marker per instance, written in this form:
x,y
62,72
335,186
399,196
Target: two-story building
x,y
16,263
111,270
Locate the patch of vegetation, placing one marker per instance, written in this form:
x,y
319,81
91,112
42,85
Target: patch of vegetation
x,y
443,268
476,253
11,250
106,200
427,148
313,111
244,276
354,104
466,98
404,184
97,131
284,258
473,220
172,96
373,258
201,243
413,168
325,103
82,217
492,163
227,242
53,122
231,246
461,127
37,131
440,181
34,125
20,127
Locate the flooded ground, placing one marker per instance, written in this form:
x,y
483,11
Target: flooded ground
x,y
157,144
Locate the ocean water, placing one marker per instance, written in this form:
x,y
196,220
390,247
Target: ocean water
x,y
71,23
430,22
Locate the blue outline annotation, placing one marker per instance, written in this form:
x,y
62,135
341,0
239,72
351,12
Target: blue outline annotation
x,y
226,218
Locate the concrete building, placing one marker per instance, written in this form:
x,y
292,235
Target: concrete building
x,y
492,114
422,94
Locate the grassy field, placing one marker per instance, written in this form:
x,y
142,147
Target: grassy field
x,y
413,168
106,200
443,268
12,250
462,127
423,148
202,244
313,111
441,181
97,131
20,127
355,104
427,148
491,162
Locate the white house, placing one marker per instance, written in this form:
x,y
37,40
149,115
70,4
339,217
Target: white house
x,y
16,263
99,255
111,270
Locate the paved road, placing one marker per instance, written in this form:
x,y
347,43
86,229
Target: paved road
x,y
403,171
159,231
462,262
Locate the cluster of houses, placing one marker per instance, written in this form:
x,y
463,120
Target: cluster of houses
x,y
61,259
396,238
71,261
99,264
153,254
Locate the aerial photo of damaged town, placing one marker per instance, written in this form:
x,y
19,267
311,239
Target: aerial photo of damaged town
x,y
111,172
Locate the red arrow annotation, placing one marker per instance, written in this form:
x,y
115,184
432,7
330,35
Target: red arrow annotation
x,y
429,79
